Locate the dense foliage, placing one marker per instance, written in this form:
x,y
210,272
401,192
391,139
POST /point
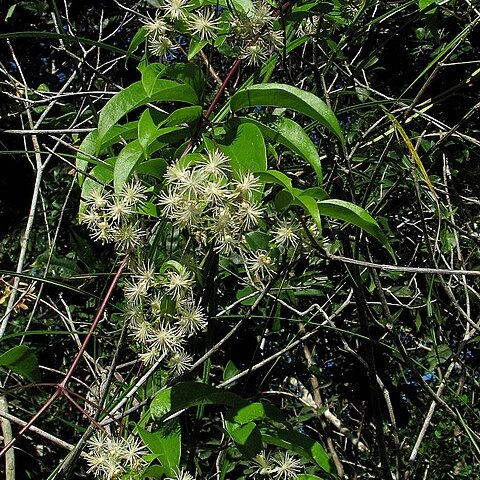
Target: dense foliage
x,y
239,239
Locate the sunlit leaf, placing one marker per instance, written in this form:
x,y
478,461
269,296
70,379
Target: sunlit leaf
x,y
287,96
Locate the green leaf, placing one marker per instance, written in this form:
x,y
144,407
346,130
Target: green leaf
x,y
287,96
315,192
274,176
10,12
153,471
230,370
247,437
150,75
282,200
195,46
355,215
137,40
189,394
188,115
438,355
427,5
245,146
86,151
257,240
165,443
289,133
128,158
300,444
156,167
170,91
255,411
88,148
187,73
300,197
119,105
134,96
309,203
147,130
243,5
21,360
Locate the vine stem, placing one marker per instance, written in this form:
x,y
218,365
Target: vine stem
x,y
61,387
223,86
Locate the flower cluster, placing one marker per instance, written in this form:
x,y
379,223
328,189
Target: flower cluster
x,y
251,34
279,467
160,306
109,457
202,198
182,474
163,30
163,313
310,26
112,217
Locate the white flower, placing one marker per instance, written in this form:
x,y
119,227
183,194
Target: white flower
x,y
101,232
142,332
225,243
175,172
146,274
274,38
182,475
133,193
108,457
263,465
135,291
157,304
134,313
285,234
191,183
247,185
215,192
223,220
104,466
191,317
175,9
249,214
204,25
179,363
127,237
161,46
98,197
90,218
166,338
155,27
286,466
259,263
133,451
177,284
188,214
261,15
119,210
169,201
150,356
254,53
216,164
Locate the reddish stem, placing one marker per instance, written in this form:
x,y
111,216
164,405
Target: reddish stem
x,y
95,322
223,86
61,388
